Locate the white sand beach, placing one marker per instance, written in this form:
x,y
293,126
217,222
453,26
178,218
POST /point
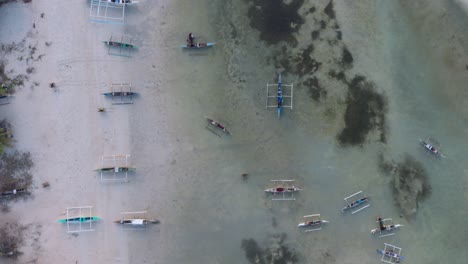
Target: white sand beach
x,y
189,178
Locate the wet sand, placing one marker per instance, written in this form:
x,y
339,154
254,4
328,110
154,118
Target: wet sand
x,y
190,178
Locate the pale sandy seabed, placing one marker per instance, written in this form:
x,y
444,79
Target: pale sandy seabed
x,y
414,53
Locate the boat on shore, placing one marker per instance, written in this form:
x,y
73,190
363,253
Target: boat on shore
x,y
122,2
13,192
120,93
116,169
137,222
119,44
79,219
198,45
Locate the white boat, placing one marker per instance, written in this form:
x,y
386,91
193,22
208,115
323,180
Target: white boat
x,y
431,148
122,2
285,189
383,227
277,190
312,223
136,222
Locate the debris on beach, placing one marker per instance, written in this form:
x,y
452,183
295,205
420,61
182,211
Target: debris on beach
x,y
11,237
5,135
409,182
9,81
275,252
15,176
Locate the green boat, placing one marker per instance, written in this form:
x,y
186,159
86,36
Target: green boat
x,y
119,44
80,219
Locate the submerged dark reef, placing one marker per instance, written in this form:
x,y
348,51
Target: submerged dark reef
x,y
276,252
365,107
275,20
410,183
365,111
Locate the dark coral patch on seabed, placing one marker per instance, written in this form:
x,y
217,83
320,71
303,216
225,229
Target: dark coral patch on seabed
x,y
365,111
276,252
410,183
275,20
329,10
347,58
306,64
315,90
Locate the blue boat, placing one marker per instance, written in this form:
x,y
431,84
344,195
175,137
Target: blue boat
x,y
280,95
391,254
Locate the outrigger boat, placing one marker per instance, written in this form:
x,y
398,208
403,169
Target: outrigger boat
x,y
313,221
390,254
119,44
116,169
120,93
284,189
278,190
122,46
428,145
385,227
79,219
198,45
280,95
13,192
122,2
135,220
356,203
217,124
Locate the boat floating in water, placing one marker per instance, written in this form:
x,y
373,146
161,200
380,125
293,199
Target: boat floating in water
x,y
279,96
359,204
390,254
216,125
386,226
283,188
432,146
312,223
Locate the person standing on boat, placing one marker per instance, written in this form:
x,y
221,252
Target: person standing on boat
x,y
279,99
190,40
381,224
